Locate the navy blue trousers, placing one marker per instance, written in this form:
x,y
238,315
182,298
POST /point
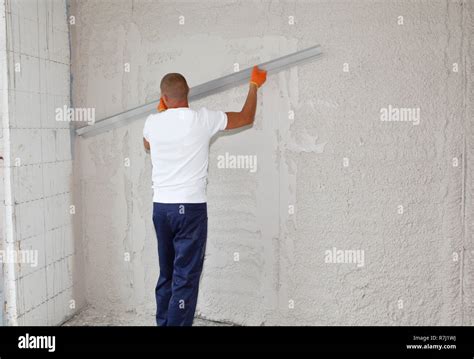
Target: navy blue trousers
x,y
181,231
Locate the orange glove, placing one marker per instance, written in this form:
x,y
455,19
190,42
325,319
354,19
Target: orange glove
x,y
161,106
258,76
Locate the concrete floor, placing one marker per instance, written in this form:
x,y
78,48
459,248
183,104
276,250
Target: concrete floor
x,y
91,316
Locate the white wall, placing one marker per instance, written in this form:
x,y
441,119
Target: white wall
x,y
39,163
418,264
3,73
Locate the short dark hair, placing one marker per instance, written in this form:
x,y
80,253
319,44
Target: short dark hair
x,y
174,85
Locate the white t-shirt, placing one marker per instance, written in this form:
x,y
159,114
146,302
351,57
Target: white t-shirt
x,y
179,146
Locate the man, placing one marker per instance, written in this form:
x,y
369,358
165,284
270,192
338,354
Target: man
x,y
178,139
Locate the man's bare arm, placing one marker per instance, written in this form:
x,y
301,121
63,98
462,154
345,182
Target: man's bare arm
x,y
247,115
146,144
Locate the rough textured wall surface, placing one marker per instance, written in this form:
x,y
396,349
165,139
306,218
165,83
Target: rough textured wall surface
x,y
351,217
467,273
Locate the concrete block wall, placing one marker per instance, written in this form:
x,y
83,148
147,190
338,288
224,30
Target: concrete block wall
x,y
3,77
331,173
5,271
39,162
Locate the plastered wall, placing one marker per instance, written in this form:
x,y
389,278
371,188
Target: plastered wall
x,y
333,174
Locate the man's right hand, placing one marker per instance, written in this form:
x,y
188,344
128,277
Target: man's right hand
x,y
258,76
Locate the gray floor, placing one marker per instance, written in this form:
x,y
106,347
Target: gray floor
x,y
91,316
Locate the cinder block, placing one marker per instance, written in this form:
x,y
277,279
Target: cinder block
x,y
63,145
61,243
48,110
63,274
48,144
29,218
3,39
35,247
52,178
58,110
50,288
39,288
61,79
45,35
23,35
27,9
27,183
58,11
51,213
13,33
25,73
57,211
3,74
68,216
43,74
3,45
43,41
65,210
59,306
51,311
71,307
55,317
51,239
33,289
25,110
59,47
54,77
63,236
28,41
44,12
58,276
69,241
69,271
25,146
55,279
38,316
57,177
58,244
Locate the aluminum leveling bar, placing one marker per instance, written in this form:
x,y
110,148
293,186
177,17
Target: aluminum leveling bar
x,y
199,91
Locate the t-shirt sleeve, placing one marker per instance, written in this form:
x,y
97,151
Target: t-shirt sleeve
x,y
146,129
215,120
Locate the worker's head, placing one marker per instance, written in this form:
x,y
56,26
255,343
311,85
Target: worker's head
x,y
174,90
